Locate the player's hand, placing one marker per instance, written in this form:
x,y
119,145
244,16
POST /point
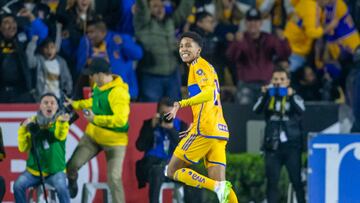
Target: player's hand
x,y
68,101
26,13
264,88
172,114
229,37
290,91
26,122
64,117
89,116
35,38
280,34
186,132
239,36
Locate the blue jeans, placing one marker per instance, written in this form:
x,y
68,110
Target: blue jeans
x,y
296,62
154,87
26,180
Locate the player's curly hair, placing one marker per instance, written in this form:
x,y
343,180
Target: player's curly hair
x,y
193,35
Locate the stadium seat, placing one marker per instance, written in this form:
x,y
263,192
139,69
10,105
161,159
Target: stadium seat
x,y
89,190
178,192
40,194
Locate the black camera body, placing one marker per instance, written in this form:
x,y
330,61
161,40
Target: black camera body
x,y
73,115
163,119
272,135
68,109
271,143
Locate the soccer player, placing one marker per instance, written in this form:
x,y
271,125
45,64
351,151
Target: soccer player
x,y
207,136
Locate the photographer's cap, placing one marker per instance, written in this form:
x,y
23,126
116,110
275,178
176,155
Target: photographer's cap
x,y
253,14
97,65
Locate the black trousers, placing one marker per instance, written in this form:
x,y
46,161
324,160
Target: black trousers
x,y
287,156
156,178
2,188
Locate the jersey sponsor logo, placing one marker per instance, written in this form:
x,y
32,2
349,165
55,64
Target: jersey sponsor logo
x,y
223,127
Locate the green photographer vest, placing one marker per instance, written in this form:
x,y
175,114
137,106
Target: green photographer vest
x,y
101,106
51,152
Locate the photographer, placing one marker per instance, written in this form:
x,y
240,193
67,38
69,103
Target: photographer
x,y
107,112
158,139
43,136
283,133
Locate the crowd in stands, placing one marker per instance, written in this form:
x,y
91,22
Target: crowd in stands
x,y
46,44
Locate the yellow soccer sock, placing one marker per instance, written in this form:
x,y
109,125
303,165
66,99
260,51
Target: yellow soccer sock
x,y
194,179
232,197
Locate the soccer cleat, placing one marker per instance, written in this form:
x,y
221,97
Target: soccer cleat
x,y
223,190
73,188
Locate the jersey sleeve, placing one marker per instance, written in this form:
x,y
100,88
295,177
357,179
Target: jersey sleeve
x,y
202,86
204,75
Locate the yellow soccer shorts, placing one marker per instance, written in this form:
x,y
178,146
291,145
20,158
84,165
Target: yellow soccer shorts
x,y
193,147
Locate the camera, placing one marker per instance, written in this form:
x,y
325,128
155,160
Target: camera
x,y
68,109
277,91
164,119
271,142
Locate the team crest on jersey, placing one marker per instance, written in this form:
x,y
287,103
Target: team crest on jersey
x,y
200,72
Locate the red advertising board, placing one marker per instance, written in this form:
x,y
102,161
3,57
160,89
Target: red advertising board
x,y
95,170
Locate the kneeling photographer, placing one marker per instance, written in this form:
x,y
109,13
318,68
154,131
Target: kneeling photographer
x,y
43,136
158,139
283,134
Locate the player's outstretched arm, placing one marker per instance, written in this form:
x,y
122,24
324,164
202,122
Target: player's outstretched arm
x,y
206,94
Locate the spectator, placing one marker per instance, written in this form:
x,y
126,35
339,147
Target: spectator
x,y
74,22
343,43
52,4
354,6
107,128
275,13
283,134
228,16
343,38
44,136
158,139
16,79
353,92
125,24
109,9
46,11
309,86
42,11
119,49
301,30
158,69
52,73
204,26
254,54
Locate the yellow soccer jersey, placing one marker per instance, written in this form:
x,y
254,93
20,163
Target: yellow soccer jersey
x,y
344,38
204,99
303,27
